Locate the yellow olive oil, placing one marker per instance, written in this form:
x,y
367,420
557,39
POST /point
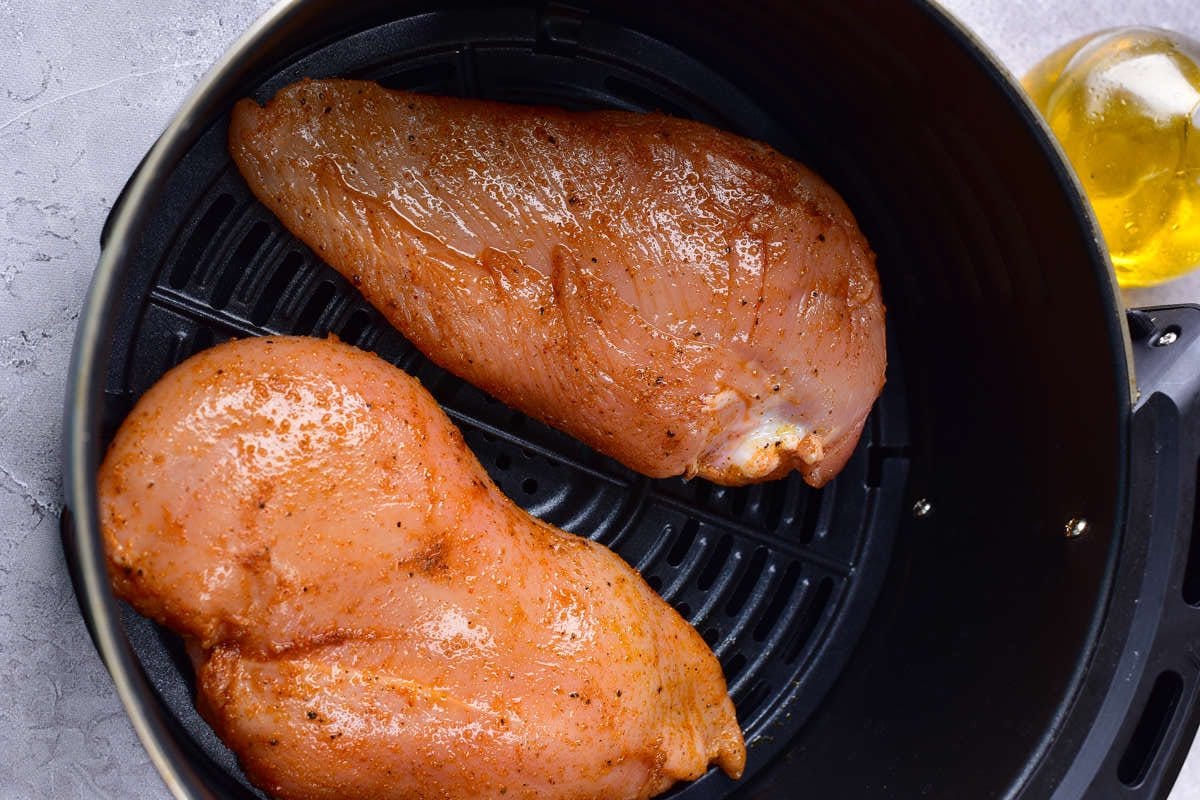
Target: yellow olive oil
x,y
1125,105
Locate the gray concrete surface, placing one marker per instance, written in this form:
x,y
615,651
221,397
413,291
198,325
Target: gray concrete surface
x,y
85,87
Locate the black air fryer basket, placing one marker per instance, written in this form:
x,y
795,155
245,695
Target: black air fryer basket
x,y
997,598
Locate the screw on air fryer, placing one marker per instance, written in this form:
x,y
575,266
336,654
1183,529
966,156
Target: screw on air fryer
x,y
1076,527
1168,338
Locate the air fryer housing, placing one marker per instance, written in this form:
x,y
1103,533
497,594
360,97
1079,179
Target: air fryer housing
x,y
998,596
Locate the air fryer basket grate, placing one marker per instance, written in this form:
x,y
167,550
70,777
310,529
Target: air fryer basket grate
x,y
778,578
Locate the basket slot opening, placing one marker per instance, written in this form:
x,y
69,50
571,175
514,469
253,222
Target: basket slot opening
x,y
718,561
808,618
878,454
683,542
811,517
200,238
315,307
281,278
741,592
783,594
733,666
739,500
355,328
753,699
240,264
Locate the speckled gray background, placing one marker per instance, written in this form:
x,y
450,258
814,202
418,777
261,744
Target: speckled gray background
x,y
85,87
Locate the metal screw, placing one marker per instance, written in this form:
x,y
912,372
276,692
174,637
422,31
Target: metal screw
x,y
1170,337
922,508
1076,527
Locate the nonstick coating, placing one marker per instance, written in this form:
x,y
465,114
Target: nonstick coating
x,y
994,281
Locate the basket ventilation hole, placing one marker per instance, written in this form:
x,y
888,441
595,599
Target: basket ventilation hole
x,y
739,499
201,236
268,301
683,543
733,666
779,601
239,264
811,518
741,592
355,327
315,307
877,456
807,619
753,699
718,561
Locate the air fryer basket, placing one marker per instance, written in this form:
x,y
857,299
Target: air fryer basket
x,y
987,668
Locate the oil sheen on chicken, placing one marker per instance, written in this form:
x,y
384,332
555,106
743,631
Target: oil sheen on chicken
x,y
369,617
680,298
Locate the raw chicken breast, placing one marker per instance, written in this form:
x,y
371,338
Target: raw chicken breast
x,y
369,617
682,299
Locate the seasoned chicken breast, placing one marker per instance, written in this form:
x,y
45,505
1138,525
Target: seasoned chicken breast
x,y
680,298
369,617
